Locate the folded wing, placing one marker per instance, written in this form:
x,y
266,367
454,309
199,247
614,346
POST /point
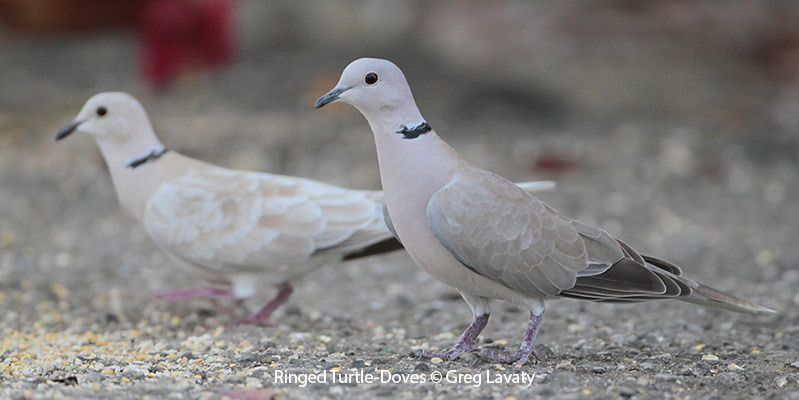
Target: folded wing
x,y
244,221
499,231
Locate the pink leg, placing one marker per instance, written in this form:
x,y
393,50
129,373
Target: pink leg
x,y
519,357
464,343
262,317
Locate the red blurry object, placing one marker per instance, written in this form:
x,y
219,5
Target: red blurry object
x,y
57,16
177,36
554,164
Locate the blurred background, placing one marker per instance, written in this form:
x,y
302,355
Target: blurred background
x,y
672,123
663,120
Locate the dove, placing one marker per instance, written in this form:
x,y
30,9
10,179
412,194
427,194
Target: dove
x,y
487,238
238,230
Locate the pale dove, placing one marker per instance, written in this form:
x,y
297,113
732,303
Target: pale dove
x,y
482,235
236,229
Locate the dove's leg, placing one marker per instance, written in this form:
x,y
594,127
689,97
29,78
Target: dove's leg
x,y
262,317
520,356
464,343
480,309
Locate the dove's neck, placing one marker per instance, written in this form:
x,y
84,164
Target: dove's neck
x,y
411,170
134,186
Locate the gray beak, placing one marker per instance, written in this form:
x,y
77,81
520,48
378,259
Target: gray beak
x,y
67,130
330,96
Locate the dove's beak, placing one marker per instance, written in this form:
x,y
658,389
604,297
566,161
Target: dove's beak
x,y
330,96
67,130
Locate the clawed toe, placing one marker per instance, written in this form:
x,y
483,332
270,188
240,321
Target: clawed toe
x,y
464,343
503,357
521,356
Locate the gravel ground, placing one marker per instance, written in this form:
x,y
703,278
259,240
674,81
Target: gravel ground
x,y
76,275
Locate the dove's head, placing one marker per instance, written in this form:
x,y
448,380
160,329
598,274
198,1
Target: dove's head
x,y
373,86
110,116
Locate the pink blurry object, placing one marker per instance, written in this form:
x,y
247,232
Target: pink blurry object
x,y
179,36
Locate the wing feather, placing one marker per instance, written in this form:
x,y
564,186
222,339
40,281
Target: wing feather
x,y
244,221
505,234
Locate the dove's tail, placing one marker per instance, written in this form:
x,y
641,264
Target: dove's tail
x,y
637,277
709,297
381,247
706,295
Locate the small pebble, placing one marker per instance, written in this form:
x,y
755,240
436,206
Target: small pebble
x,y
735,367
699,347
253,383
565,364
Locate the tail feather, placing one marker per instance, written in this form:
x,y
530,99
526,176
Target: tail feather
x,y
709,297
384,246
638,277
705,295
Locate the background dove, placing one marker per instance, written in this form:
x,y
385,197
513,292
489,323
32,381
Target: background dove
x,y
240,229
235,228
487,238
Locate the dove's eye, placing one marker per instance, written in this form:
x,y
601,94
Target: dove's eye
x,y
370,78
102,111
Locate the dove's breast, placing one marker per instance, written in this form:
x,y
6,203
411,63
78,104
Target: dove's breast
x,y
412,171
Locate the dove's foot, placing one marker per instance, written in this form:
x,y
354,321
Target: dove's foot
x,y
196,293
521,356
464,343
264,315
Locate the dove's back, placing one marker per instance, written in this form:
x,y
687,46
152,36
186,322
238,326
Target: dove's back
x,y
236,222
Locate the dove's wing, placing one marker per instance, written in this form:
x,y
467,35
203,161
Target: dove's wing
x,y
529,187
505,234
245,221
499,231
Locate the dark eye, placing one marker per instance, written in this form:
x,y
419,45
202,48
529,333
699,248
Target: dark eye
x,y
102,111
370,78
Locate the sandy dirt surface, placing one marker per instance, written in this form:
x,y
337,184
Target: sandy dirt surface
x,y
77,277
